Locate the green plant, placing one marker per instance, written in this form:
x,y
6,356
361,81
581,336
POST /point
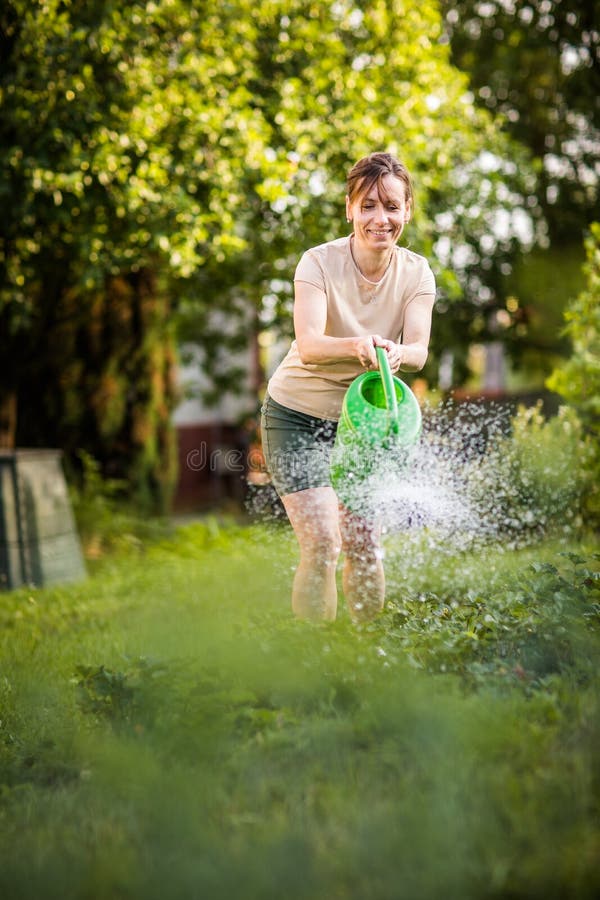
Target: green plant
x,y
168,728
106,519
536,479
578,379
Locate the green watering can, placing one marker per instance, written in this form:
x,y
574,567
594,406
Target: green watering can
x,y
380,413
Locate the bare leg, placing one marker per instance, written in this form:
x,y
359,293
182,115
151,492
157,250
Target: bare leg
x,y
363,575
314,516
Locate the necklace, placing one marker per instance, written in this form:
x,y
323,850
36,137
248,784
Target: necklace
x,y
369,289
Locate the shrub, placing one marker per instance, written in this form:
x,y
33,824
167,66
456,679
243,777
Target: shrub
x,y
536,479
578,379
105,520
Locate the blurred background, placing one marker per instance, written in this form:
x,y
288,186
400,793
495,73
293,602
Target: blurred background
x,y
164,164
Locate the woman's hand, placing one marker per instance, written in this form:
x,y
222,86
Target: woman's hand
x,y
365,350
393,351
367,354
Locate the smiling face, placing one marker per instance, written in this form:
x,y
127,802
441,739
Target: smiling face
x,y
379,213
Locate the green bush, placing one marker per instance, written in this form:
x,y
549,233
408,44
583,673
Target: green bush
x,y
578,379
105,520
536,479
167,729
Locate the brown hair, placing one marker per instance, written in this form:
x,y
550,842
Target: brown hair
x,y
371,170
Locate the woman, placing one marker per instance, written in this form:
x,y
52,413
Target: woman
x,y
352,295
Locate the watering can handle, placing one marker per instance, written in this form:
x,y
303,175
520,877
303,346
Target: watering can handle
x,y
389,388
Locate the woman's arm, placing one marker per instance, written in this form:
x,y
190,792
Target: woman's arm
x,y
411,354
316,347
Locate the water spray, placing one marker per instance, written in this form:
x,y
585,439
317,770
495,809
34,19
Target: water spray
x,y
380,422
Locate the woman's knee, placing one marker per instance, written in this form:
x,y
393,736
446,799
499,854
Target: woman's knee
x,y
321,544
364,545
314,517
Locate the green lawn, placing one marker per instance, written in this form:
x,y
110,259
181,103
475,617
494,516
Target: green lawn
x,y
169,731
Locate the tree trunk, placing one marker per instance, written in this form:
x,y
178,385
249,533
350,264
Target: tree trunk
x,y
8,419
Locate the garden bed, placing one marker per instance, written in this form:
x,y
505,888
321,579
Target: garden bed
x,y
169,730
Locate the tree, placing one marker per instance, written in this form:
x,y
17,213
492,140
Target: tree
x,y
116,133
165,159
335,81
535,65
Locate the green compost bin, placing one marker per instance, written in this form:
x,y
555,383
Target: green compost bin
x,y
39,544
380,422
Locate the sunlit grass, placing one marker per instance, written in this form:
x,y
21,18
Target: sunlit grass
x,y
169,730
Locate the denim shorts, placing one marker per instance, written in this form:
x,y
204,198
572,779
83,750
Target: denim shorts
x,y
296,447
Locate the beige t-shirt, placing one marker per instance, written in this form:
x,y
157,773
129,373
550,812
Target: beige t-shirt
x,y
354,307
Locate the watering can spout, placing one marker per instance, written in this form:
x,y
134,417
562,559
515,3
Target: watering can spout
x,y
379,412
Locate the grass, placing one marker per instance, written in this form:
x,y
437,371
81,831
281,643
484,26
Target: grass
x,y
169,731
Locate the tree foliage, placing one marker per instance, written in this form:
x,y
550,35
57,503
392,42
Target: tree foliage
x,y
116,135
178,156
536,65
